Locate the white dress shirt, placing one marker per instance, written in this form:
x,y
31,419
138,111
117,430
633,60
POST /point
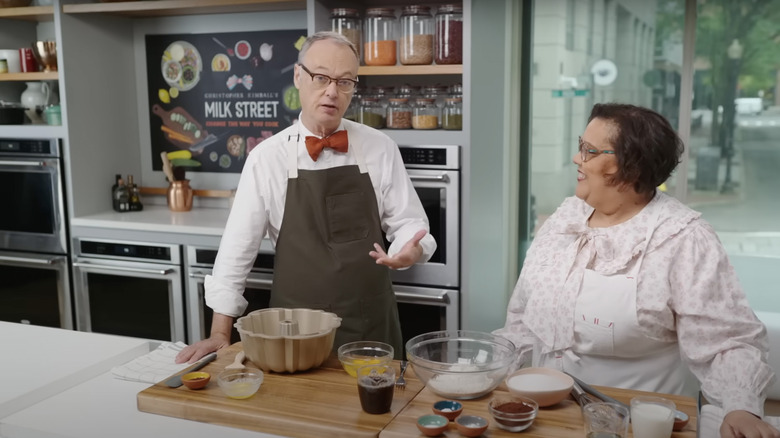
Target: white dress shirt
x,y
258,208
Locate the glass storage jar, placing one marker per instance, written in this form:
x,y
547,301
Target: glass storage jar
x,y
448,48
383,93
425,114
452,117
372,113
399,114
354,107
416,35
346,21
408,91
380,43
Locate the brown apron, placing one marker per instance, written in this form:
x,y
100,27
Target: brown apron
x,y
330,223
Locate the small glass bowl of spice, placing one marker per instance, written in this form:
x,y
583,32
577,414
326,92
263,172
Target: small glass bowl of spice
x,y
513,413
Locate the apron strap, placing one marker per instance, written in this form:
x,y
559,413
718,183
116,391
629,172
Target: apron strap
x,y
292,155
357,150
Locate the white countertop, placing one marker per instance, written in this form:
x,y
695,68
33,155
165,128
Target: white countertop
x,y
159,218
58,383
39,362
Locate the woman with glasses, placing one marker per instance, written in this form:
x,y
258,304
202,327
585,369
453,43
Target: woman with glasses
x,y
325,191
625,286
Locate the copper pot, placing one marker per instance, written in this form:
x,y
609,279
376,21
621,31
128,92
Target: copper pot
x,y
180,195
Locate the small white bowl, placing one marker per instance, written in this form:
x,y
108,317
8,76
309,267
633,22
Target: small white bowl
x,y
545,386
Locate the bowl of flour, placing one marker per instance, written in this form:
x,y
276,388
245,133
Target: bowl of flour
x,y
460,364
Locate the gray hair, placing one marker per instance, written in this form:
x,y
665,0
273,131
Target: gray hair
x,y
323,36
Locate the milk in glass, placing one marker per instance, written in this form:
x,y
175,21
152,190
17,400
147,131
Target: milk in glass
x,y
652,417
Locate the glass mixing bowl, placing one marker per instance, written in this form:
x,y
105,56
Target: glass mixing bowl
x,y
460,364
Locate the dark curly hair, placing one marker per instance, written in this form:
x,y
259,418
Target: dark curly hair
x,y
646,146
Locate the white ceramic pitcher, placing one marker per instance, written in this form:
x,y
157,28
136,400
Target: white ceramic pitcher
x,y
36,95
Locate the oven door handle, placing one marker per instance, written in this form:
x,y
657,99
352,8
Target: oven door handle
x,y
436,178
422,299
22,163
123,269
257,282
50,261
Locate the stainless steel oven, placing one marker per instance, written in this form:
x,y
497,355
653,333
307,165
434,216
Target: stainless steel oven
x,y
33,234
435,174
200,261
426,309
129,288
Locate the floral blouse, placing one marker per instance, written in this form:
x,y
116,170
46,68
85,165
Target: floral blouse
x,y
687,293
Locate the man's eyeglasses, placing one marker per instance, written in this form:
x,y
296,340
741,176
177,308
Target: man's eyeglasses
x,y
588,151
321,81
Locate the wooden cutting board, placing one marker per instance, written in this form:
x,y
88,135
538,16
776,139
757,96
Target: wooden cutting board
x,y
563,420
319,402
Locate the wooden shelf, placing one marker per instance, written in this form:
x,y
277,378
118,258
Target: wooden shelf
x,y
29,13
25,77
391,70
161,8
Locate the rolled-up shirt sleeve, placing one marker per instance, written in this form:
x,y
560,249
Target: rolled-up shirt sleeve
x,y
244,232
721,339
401,211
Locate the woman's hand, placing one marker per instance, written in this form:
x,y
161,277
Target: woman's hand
x,y
743,424
192,353
407,256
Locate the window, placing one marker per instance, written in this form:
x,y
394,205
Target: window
x,y
733,155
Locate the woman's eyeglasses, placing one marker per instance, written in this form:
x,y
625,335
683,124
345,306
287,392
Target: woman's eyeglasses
x,y
587,151
321,81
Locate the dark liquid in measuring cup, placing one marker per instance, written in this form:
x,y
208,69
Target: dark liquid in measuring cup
x,y
376,393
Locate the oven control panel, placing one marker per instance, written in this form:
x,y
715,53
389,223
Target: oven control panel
x,y
431,157
29,147
129,251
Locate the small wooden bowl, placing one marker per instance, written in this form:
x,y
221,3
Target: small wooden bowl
x,y
471,425
448,408
432,425
196,380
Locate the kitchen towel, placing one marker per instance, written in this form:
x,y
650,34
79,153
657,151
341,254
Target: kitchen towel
x,y
154,366
711,417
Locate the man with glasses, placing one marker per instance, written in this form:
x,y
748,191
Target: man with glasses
x,y
324,190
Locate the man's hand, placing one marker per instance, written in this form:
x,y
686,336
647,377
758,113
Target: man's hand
x,y
192,353
743,424
407,256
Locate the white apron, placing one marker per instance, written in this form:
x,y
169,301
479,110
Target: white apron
x,y
610,348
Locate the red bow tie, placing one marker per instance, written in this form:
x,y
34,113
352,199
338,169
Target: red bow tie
x,y
336,141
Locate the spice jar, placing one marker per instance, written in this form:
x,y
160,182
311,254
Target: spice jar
x,y
449,35
416,35
399,114
346,21
452,117
372,113
426,114
380,44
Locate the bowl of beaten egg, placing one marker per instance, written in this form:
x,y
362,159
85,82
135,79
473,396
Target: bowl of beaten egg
x,y
354,355
545,386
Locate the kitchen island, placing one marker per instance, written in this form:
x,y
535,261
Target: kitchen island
x,y
58,383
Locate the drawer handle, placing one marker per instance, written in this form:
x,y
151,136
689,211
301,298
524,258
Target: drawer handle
x,y
124,269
